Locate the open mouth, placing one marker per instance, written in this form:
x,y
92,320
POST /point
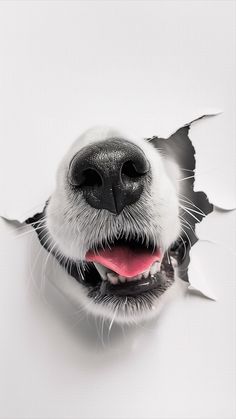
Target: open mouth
x,y
127,272
129,268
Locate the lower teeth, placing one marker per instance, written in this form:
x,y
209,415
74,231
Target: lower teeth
x,y
101,270
114,278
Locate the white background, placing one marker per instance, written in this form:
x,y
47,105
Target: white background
x,y
148,67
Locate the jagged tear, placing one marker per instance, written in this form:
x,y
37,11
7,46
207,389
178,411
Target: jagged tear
x,y
193,205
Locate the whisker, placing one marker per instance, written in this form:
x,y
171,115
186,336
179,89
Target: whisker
x,y
189,225
192,215
187,170
185,249
43,281
24,224
32,230
192,210
188,201
200,211
190,244
186,178
32,268
185,225
113,319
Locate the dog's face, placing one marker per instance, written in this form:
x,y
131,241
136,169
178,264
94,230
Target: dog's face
x,y
114,215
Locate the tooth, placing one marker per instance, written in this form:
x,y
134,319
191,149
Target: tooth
x,y
102,271
112,278
174,262
145,274
155,268
122,278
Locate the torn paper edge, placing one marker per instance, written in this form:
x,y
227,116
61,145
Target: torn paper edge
x,y
201,284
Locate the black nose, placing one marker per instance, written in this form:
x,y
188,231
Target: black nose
x,y
111,174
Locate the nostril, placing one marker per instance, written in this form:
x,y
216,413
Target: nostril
x,y
130,170
90,177
87,178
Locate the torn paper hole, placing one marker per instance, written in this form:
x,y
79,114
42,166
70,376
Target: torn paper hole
x,y
194,206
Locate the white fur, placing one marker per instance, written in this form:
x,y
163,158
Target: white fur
x,y
74,229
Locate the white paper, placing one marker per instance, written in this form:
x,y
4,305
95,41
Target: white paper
x,y
148,66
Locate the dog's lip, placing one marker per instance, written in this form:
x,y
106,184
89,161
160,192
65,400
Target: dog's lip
x,y
131,288
124,260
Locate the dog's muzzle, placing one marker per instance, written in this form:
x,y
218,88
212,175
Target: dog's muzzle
x,y
110,174
110,213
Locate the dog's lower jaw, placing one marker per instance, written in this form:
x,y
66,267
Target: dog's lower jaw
x,y
132,309
78,295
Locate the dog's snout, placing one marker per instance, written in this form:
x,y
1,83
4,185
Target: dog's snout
x,y
111,174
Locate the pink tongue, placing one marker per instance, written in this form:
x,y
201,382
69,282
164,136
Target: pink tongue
x,y
124,260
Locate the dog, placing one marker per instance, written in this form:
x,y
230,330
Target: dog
x,y
114,221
